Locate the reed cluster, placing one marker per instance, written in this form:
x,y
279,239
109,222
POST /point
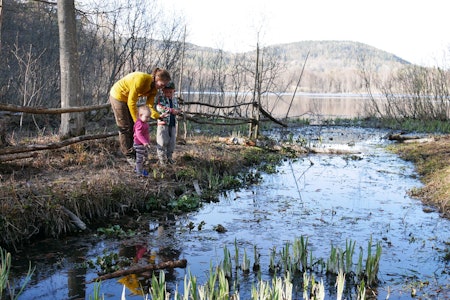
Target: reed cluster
x,y
294,264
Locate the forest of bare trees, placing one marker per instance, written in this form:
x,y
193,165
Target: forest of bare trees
x,y
117,37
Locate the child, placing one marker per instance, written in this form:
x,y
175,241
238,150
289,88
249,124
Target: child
x,y
141,139
166,132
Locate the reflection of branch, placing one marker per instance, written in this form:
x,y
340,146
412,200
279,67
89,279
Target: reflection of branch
x,y
198,121
215,106
301,175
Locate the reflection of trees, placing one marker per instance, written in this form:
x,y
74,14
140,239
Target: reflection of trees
x,y
76,278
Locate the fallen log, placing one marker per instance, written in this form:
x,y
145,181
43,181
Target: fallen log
x,y
332,151
141,269
77,221
56,145
401,137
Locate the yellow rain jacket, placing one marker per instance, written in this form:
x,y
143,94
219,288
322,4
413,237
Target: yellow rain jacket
x,y
131,87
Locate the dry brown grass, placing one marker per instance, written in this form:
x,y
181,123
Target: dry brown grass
x,y
94,181
432,161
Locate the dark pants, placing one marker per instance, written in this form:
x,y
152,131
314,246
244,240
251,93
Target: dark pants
x,y
125,124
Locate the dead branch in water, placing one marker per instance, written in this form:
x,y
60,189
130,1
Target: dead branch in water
x,y
141,269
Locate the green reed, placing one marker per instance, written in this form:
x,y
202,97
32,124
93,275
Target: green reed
x,y
5,269
97,295
372,263
340,283
245,264
300,253
256,256
272,263
361,291
340,263
158,289
226,264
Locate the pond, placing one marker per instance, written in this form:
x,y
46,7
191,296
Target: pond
x,y
328,199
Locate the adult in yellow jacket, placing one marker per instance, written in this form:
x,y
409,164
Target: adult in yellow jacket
x,y
124,96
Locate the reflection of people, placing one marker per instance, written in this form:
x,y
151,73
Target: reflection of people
x,y
141,250
141,139
124,95
132,282
166,133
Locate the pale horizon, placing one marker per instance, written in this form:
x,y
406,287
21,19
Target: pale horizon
x,y
414,31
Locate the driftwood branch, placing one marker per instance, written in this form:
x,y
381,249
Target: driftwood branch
x,y
408,138
332,151
216,106
57,145
77,221
50,111
269,116
196,120
141,269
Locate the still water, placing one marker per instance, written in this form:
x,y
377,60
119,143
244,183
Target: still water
x,y
328,198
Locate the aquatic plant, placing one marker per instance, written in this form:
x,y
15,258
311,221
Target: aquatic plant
x,y
256,256
372,263
158,289
340,283
97,295
272,265
226,263
361,291
349,252
5,269
300,253
245,265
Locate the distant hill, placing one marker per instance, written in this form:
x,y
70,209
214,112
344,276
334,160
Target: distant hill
x,y
332,66
336,54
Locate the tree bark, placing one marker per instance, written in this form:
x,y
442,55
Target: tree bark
x,y
141,269
1,21
72,124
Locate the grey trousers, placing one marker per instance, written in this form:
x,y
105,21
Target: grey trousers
x,y
166,137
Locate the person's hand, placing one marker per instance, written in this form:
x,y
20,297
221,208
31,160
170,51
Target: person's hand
x,y
164,115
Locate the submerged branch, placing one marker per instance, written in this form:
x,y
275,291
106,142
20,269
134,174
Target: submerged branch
x,y
141,269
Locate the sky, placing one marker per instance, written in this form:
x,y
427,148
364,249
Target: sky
x,y
417,31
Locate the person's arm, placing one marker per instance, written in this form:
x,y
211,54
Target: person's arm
x,y
151,104
132,102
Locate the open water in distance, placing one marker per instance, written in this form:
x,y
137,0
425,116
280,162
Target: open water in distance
x,y
328,198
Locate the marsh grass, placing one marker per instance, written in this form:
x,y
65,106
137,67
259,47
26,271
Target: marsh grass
x,y
432,161
7,288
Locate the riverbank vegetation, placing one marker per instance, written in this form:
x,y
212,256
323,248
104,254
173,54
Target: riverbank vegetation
x,y
432,161
77,187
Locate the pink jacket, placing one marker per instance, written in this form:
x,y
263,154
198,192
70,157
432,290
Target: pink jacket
x,y
141,134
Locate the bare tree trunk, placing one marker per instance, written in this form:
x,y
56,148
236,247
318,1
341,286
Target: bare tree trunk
x,y
256,99
72,124
1,21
